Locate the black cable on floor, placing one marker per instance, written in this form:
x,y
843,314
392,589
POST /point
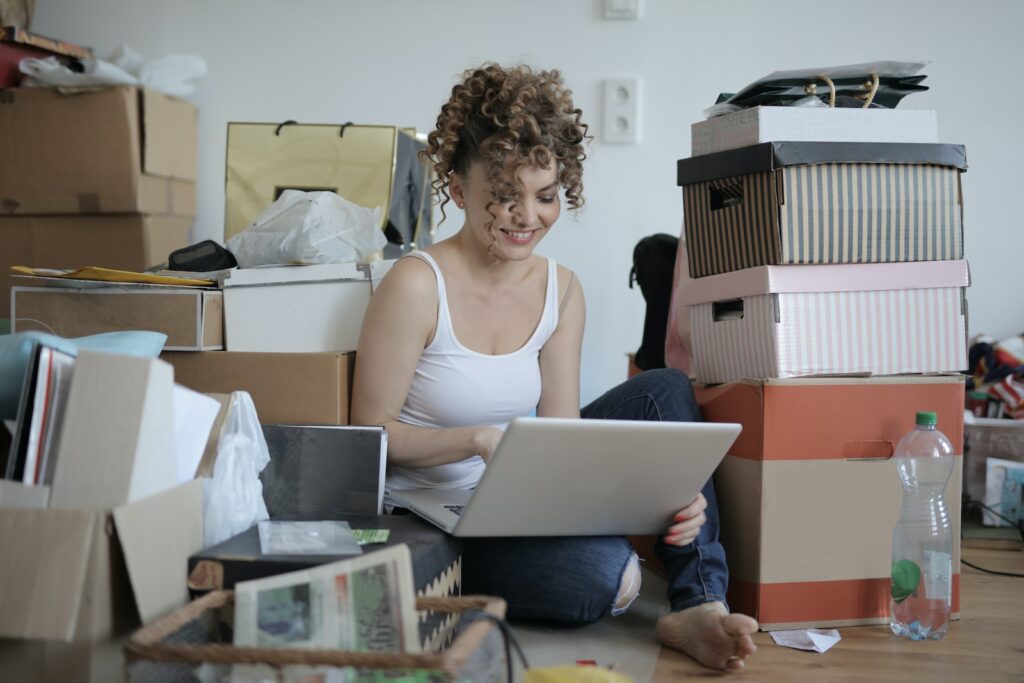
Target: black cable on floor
x,y
990,571
1012,522
1017,523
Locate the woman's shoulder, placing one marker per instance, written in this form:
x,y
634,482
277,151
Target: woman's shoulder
x,y
567,281
411,278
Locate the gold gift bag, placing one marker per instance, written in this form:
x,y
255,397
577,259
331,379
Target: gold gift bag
x,y
369,165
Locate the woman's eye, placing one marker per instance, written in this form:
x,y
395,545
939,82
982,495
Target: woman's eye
x,y
547,200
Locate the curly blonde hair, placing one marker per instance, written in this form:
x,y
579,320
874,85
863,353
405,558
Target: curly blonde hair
x,y
504,116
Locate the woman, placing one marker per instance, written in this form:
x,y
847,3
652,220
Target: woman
x,y
478,329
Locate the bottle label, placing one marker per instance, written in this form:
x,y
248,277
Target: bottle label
x,y
938,572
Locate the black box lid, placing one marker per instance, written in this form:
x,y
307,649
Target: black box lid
x,y
769,156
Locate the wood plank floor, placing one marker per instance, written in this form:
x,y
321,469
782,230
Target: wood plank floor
x,y
987,644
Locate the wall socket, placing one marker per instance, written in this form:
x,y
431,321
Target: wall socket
x,y
622,110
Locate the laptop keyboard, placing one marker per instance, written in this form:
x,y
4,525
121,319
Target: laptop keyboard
x,y
457,509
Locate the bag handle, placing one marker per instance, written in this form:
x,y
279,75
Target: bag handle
x,y
871,86
293,122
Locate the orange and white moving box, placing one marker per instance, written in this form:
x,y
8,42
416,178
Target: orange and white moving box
x,y
854,319
809,493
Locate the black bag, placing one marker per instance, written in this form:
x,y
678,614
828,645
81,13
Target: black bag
x,y
202,257
654,262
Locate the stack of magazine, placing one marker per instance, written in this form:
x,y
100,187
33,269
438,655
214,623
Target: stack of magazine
x,y
365,604
32,454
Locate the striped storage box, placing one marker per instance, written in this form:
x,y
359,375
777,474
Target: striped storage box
x,y
793,321
809,493
821,202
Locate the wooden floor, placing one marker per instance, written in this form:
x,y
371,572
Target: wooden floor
x,y
987,644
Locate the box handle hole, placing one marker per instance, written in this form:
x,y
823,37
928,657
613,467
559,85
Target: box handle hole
x,y
731,309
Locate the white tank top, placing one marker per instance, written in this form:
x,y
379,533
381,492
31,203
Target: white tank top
x,y
456,387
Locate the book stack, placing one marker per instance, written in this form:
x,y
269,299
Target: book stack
x,y
827,305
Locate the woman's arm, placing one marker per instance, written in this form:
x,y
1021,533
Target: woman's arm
x,y
560,357
399,322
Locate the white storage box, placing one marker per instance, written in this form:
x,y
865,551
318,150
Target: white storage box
x,y
793,321
812,124
298,309
986,438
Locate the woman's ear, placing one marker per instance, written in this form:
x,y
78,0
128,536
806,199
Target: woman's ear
x,y
457,190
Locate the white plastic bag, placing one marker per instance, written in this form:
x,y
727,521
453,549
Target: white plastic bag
x,y
172,74
234,494
309,228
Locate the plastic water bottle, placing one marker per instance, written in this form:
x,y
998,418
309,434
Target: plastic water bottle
x,y
922,543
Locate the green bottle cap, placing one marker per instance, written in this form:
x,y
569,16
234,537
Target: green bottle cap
x,y
926,419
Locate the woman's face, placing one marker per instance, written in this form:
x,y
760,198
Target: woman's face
x,y
518,224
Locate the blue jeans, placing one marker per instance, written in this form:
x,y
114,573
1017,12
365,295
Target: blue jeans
x,y
574,580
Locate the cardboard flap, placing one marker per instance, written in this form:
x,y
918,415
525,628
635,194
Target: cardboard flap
x,y
209,458
157,535
14,494
43,562
117,442
165,122
844,277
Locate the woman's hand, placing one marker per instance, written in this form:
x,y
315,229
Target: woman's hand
x,y
485,440
689,520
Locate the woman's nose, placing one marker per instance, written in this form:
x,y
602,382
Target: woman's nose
x,y
526,214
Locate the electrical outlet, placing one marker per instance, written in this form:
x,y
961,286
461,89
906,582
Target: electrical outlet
x,y
622,110
623,9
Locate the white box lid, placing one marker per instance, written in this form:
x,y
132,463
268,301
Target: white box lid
x,y
328,272
845,277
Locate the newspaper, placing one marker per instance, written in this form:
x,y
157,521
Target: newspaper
x,y
365,604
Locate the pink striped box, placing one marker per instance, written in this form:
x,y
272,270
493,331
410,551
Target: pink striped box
x,y
858,319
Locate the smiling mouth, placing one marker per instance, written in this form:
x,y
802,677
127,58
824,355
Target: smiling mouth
x,y
519,236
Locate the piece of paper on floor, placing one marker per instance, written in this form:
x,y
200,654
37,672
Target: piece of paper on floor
x,y
815,639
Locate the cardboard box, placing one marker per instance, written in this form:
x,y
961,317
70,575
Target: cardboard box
x,y
809,494
436,563
110,551
755,125
192,318
124,242
287,388
77,581
117,150
116,443
821,202
299,309
792,321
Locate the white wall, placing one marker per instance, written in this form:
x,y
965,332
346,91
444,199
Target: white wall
x,y
394,61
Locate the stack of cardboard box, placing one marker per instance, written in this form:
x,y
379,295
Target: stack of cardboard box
x,y
103,178
827,305
104,549
287,335
290,336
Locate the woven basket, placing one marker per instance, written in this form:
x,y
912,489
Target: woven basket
x,y
200,633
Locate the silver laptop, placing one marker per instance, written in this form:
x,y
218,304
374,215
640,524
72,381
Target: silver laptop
x,y
564,477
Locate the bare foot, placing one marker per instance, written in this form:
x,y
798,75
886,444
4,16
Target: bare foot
x,y
710,635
